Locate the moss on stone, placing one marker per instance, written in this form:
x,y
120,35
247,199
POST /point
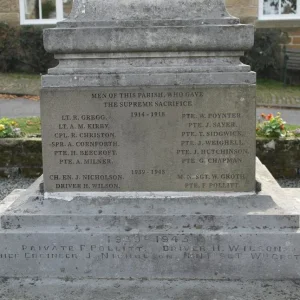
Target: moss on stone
x,y
281,157
32,145
8,172
32,172
6,158
27,159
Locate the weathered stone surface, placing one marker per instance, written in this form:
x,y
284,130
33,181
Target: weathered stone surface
x,y
149,139
27,159
140,28
91,289
114,26
247,11
9,5
281,156
159,113
20,155
10,17
10,199
148,79
175,38
154,235
142,47
114,10
162,255
5,158
5,5
151,63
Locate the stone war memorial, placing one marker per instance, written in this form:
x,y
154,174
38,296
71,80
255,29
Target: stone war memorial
x,y
151,189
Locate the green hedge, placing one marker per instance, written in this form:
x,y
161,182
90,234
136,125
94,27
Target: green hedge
x,y
22,50
265,57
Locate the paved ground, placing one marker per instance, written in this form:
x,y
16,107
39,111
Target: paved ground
x,y
26,84
291,116
20,107
13,108
268,92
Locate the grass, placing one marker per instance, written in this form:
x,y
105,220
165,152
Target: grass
x,y
274,92
20,83
30,125
290,127
21,76
276,85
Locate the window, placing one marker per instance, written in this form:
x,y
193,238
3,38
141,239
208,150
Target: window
x,y
44,11
279,9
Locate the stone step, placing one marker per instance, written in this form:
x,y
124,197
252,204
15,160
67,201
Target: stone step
x,y
10,199
147,212
293,193
159,255
150,223
91,289
132,203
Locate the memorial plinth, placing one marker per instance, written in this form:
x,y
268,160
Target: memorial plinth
x,y
149,97
148,126
191,138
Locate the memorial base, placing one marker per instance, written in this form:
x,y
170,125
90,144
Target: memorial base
x,y
101,289
183,239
